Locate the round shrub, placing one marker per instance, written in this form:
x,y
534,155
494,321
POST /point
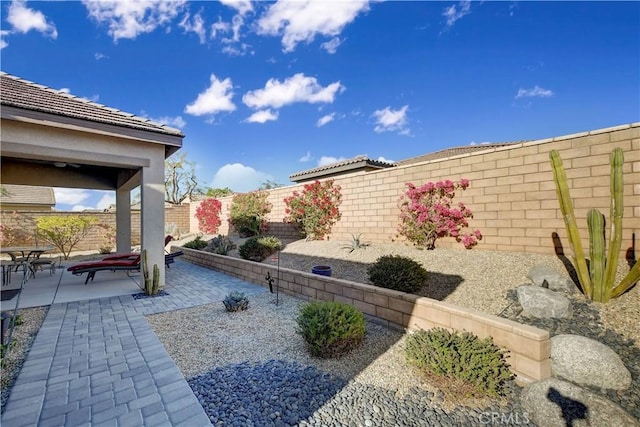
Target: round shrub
x,y
476,362
398,273
259,248
236,301
196,243
330,328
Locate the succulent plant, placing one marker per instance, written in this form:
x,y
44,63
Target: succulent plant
x,y
236,301
598,280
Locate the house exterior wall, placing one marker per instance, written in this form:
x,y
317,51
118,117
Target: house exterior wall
x,y
511,192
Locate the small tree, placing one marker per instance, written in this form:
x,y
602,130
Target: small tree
x,y
218,192
64,232
208,215
180,179
426,214
315,210
248,213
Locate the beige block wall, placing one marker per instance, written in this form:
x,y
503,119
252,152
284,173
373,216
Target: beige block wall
x,y
26,220
529,347
512,193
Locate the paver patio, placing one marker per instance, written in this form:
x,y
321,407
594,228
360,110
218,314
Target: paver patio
x,y
97,362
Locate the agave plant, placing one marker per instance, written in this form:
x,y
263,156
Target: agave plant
x,y
236,301
598,279
356,243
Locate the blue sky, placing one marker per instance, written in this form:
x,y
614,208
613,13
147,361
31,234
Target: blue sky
x,y
266,89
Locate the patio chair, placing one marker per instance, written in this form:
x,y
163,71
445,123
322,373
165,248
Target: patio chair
x,y
122,262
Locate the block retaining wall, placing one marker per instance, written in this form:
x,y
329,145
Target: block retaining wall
x,y
529,347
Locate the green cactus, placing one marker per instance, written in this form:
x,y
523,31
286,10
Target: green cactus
x,y
597,282
150,285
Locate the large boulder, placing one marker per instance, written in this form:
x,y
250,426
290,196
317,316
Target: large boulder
x,y
556,403
547,277
544,303
588,362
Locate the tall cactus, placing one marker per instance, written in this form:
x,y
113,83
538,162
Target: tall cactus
x,y
597,282
150,285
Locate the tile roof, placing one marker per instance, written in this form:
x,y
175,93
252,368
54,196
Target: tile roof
x,y
454,151
20,93
345,165
28,195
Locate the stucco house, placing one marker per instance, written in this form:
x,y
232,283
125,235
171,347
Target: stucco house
x,y
56,139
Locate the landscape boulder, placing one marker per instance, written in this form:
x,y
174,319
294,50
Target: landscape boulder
x,y
543,303
588,362
547,277
553,402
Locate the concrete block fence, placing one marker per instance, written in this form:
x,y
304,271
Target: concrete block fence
x,y
529,347
512,193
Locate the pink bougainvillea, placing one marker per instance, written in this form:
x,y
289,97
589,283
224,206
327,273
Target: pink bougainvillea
x,y
426,214
208,215
315,210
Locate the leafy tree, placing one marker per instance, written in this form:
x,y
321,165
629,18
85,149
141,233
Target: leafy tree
x,y
315,210
180,180
269,185
64,232
218,192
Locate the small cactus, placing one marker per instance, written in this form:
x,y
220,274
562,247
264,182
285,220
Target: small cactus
x,y
151,285
236,301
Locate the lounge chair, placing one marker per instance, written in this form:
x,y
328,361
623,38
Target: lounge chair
x,y
123,262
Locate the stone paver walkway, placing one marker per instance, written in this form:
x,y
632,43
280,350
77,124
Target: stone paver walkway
x,y
98,362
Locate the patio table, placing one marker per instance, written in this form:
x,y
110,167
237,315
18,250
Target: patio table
x,y
23,256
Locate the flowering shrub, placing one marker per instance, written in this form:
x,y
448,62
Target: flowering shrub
x,y
315,210
248,213
208,215
426,214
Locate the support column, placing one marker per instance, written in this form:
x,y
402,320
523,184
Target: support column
x,y
152,211
123,221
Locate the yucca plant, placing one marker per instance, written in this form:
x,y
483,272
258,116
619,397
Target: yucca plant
x,y
356,243
598,280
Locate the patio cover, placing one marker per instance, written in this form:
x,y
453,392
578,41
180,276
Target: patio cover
x,y
52,138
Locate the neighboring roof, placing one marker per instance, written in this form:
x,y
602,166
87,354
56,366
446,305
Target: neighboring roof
x,y
28,195
349,165
20,93
455,151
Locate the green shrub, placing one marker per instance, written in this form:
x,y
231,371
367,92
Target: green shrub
x,y
330,328
196,243
259,248
461,356
236,301
248,213
220,245
398,273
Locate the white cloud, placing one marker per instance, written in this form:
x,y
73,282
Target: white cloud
x,y
454,13
81,208
100,56
300,21
382,159
239,178
326,119
176,121
306,157
3,42
242,6
215,99
108,199
327,160
71,196
128,19
64,90
239,49
332,45
262,116
298,88
194,25
24,19
388,120
536,92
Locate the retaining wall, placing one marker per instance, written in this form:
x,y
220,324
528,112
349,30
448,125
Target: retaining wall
x,y
529,347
